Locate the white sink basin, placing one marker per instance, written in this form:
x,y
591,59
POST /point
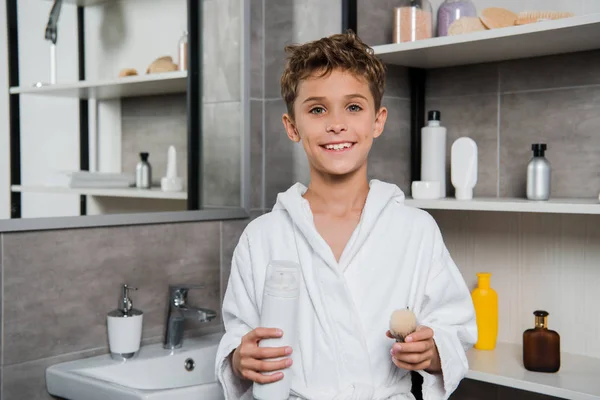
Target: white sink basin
x,y
155,374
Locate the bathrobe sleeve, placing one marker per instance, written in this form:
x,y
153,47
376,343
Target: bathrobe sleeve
x,y
240,316
447,308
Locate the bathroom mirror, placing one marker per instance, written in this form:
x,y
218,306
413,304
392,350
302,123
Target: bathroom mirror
x,y
127,80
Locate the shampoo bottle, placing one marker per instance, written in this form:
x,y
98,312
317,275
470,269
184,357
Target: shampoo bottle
x,y
279,310
485,300
463,170
433,151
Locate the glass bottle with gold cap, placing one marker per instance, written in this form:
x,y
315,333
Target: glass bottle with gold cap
x,y
541,346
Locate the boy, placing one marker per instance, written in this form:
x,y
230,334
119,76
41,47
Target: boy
x,y
363,254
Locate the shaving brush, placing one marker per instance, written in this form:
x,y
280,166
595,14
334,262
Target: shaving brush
x,y
402,323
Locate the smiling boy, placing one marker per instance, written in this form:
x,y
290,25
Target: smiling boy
x,y
362,251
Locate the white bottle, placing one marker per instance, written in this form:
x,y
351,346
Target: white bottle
x,y
279,310
171,182
463,170
433,151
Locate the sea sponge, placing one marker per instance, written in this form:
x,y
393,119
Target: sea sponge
x,y
403,322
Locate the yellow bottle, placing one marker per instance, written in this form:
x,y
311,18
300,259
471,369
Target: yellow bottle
x,y
485,300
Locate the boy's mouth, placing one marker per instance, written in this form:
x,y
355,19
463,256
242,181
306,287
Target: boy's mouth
x,y
338,147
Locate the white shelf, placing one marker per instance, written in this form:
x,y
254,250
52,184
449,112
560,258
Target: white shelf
x,y
577,379
83,3
553,206
131,86
538,39
105,192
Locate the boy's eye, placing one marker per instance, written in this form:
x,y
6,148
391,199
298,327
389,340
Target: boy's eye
x,y
354,108
317,110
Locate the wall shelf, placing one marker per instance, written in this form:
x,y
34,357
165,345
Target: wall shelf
x,y
131,86
538,39
104,192
577,378
83,3
553,206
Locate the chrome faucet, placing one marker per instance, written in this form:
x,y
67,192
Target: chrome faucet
x,y
178,311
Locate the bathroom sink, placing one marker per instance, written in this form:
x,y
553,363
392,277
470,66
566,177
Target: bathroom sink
x,y
154,374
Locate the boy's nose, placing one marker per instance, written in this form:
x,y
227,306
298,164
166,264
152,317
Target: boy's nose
x,y
337,128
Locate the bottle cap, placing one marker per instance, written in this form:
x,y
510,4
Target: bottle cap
x,y
434,115
538,149
144,156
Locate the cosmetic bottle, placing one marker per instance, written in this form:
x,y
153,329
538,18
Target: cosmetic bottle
x,y
463,169
485,301
183,52
413,20
279,310
143,172
538,174
541,346
433,151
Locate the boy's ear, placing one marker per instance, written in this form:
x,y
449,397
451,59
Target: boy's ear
x,y
380,119
290,128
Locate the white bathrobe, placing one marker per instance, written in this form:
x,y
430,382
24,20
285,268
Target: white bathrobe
x,y
396,258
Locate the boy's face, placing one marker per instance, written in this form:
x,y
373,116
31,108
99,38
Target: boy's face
x,y
336,120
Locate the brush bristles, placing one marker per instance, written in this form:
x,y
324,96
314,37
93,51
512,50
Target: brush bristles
x,y
529,17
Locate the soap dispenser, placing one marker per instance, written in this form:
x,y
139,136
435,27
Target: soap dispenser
x,y
124,327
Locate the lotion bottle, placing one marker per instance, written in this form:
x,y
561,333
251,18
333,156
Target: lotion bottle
x,y
463,170
433,151
485,301
279,310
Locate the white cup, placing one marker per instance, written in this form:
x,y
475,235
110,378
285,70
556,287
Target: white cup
x,y
425,190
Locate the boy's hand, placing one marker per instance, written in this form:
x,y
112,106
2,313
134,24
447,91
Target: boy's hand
x,y
419,351
249,360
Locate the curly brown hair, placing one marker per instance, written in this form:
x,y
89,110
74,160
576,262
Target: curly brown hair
x,y
343,51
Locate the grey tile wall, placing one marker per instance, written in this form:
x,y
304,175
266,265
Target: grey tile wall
x,y
550,72
222,149
375,21
256,154
222,21
567,120
278,32
257,49
387,160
